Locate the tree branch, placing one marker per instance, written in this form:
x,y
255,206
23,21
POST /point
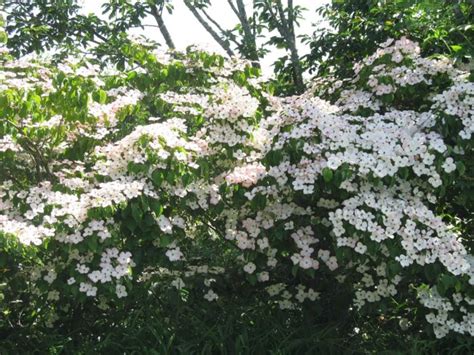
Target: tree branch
x,y
249,37
234,9
209,29
286,28
33,150
161,25
213,21
277,23
98,35
291,18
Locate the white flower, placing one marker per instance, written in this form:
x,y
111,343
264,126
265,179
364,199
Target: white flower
x,y
120,291
263,276
306,262
333,162
211,296
178,283
360,248
249,268
165,224
174,254
449,165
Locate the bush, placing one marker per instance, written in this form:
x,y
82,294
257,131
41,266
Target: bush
x,y
182,181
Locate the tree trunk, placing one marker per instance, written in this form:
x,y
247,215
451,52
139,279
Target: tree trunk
x,y
287,31
163,29
250,41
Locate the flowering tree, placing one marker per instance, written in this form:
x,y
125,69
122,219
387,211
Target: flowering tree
x,y
440,27
183,174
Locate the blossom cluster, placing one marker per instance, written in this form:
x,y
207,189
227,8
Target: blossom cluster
x,y
288,193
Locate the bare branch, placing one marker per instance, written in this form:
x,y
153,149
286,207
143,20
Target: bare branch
x,y
161,25
232,6
209,29
291,18
213,21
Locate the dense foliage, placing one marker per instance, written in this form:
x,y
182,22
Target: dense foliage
x,y
181,179
61,25
346,31
355,28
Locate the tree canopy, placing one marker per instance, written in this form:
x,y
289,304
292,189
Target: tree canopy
x,y
179,202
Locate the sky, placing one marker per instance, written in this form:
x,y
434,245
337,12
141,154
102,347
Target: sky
x,y
186,30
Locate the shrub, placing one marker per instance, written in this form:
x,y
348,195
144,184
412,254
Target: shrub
x,y
183,178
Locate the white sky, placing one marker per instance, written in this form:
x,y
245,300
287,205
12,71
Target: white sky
x,y
186,30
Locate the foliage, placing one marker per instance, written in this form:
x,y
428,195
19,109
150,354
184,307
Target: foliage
x,y
357,27
60,26
281,22
179,180
50,26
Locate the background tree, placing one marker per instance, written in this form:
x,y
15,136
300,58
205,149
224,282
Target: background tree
x,y
45,24
265,15
357,27
249,28
35,26
199,11
42,25
125,15
243,36
283,20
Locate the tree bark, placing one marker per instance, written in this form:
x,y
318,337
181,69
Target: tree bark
x,y
161,25
250,41
287,31
209,29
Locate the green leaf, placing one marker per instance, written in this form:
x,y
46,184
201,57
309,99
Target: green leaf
x,y
456,48
260,201
92,243
431,272
186,179
156,207
102,97
393,268
404,172
448,281
165,240
3,37
252,279
157,177
327,174
170,176
294,270
130,224
461,167
137,212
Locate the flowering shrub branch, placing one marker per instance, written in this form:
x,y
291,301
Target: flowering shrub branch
x,y
186,173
